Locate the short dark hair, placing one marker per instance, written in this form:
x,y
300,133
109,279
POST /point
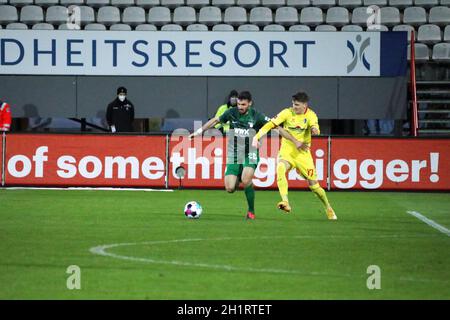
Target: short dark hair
x,y
301,97
245,95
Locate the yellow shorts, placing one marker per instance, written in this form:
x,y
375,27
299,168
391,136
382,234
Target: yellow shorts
x,y
302,161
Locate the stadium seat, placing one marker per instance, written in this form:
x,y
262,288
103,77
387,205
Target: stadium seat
x,y
44,3
350,4
325,4
325,28
57,15
377,28
426,3
401,4
235,16
42,26
147,4
210,15
415,16
67,3
223,3
95,27
222,27
31,14
261,16
360,16
338,16
439,15
133,16
248,27
298,4
286,16
441,52
97,3
273,4
445,2
447,34
352,28
389,16
311,16
108,15
8,14
87,15
16,26
146,27
171,27
300,27
20,3
378,3
274,28
3,2
197,27
159,16
172,4
184,16
197,4
120,27
122,3
429,34
405,27
248,4
421,52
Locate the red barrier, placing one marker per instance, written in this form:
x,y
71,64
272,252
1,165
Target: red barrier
x,y
2,141
402,164
106,160
204,161
85,160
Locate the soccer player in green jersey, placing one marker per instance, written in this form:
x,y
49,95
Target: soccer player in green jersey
x,y
242,158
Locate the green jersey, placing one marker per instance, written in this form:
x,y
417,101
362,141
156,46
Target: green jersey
x,y
243,128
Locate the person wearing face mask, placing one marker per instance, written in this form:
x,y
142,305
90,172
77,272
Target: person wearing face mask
x,y
231,102
120,112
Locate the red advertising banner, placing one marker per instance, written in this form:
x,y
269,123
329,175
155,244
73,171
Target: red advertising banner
x,y
204,161
1,158
402,164
140,161
85,160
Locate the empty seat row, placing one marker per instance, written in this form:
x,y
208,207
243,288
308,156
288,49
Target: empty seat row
x,y
228,3
210,15
440,52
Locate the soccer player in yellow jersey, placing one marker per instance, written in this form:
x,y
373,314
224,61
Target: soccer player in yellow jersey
x,y
302,123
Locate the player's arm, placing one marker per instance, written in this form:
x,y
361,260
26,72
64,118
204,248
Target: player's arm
x,y
211,123
314,124
272,123
298,144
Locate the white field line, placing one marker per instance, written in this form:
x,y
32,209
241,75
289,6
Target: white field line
x,y
430,222
102,250
88,188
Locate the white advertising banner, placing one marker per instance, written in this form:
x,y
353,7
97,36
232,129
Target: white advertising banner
x,y
136,53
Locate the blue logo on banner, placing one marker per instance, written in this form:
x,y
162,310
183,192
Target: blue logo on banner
x,y
358,55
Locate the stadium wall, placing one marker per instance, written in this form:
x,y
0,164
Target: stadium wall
x,y
68,74
150,161
199,97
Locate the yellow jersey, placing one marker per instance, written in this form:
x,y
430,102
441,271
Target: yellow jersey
x,y
298,125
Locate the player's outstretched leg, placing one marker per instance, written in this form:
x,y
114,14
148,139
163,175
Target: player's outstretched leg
x,y
320,193
247,177
282,168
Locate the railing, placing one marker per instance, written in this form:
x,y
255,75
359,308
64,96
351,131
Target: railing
x,y
414,125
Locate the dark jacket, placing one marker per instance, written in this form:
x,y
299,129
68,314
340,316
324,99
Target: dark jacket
x,y
121,115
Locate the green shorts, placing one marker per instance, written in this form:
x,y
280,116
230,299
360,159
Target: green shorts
x,y
236,169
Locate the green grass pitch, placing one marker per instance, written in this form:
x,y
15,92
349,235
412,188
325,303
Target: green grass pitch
x,y
301,255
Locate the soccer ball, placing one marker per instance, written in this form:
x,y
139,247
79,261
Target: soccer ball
x,y
193,210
